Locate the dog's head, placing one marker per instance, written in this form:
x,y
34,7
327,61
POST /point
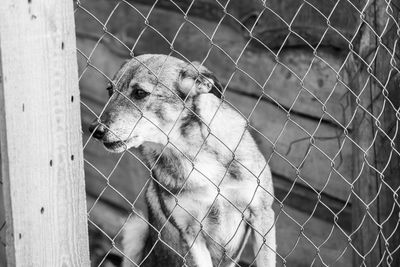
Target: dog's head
x,y
147,98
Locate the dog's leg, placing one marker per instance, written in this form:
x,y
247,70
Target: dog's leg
x,y
200,253
135,235
265,245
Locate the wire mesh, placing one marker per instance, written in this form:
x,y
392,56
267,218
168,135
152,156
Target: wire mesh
x,y
316,84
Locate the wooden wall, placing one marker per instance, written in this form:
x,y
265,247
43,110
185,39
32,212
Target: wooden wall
x,y
300,96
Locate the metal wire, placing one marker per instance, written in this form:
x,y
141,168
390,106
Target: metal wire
x,y
357,69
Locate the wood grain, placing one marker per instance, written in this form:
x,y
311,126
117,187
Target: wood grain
x,y
376,162
3,259
41,147
274,17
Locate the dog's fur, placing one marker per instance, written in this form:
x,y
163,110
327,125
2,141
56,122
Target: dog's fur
x,y
210,184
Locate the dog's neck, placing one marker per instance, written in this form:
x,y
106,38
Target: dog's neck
x,y
203,146
172,164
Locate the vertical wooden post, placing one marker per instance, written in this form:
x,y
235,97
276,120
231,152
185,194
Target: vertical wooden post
x,y
376,165
2,226
40,135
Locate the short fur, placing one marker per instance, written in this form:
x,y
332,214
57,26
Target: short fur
x,y
210,183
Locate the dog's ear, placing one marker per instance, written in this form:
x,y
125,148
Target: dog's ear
x,y
196,79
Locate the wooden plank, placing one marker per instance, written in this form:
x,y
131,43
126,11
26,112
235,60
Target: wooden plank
x,y
40,137
3,258
308,20
389,163
255,67
376,160
111,220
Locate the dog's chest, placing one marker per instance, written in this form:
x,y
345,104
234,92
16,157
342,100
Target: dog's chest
x,y
212,221
210,204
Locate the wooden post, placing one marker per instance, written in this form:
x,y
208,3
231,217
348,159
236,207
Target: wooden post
x,y
40,135
376,164
2,226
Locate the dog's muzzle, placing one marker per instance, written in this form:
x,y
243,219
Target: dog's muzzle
x,y
98,130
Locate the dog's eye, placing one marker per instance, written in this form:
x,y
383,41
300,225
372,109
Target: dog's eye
x,y
139,93
109,88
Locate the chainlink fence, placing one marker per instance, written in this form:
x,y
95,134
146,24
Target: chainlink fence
x,y
317,83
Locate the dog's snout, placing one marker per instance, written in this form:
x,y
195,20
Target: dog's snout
x,y
98,130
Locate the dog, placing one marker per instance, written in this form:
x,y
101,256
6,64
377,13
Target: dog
x,y
210,186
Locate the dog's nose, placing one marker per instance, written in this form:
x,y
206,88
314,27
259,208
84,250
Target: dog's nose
x,y
98,130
